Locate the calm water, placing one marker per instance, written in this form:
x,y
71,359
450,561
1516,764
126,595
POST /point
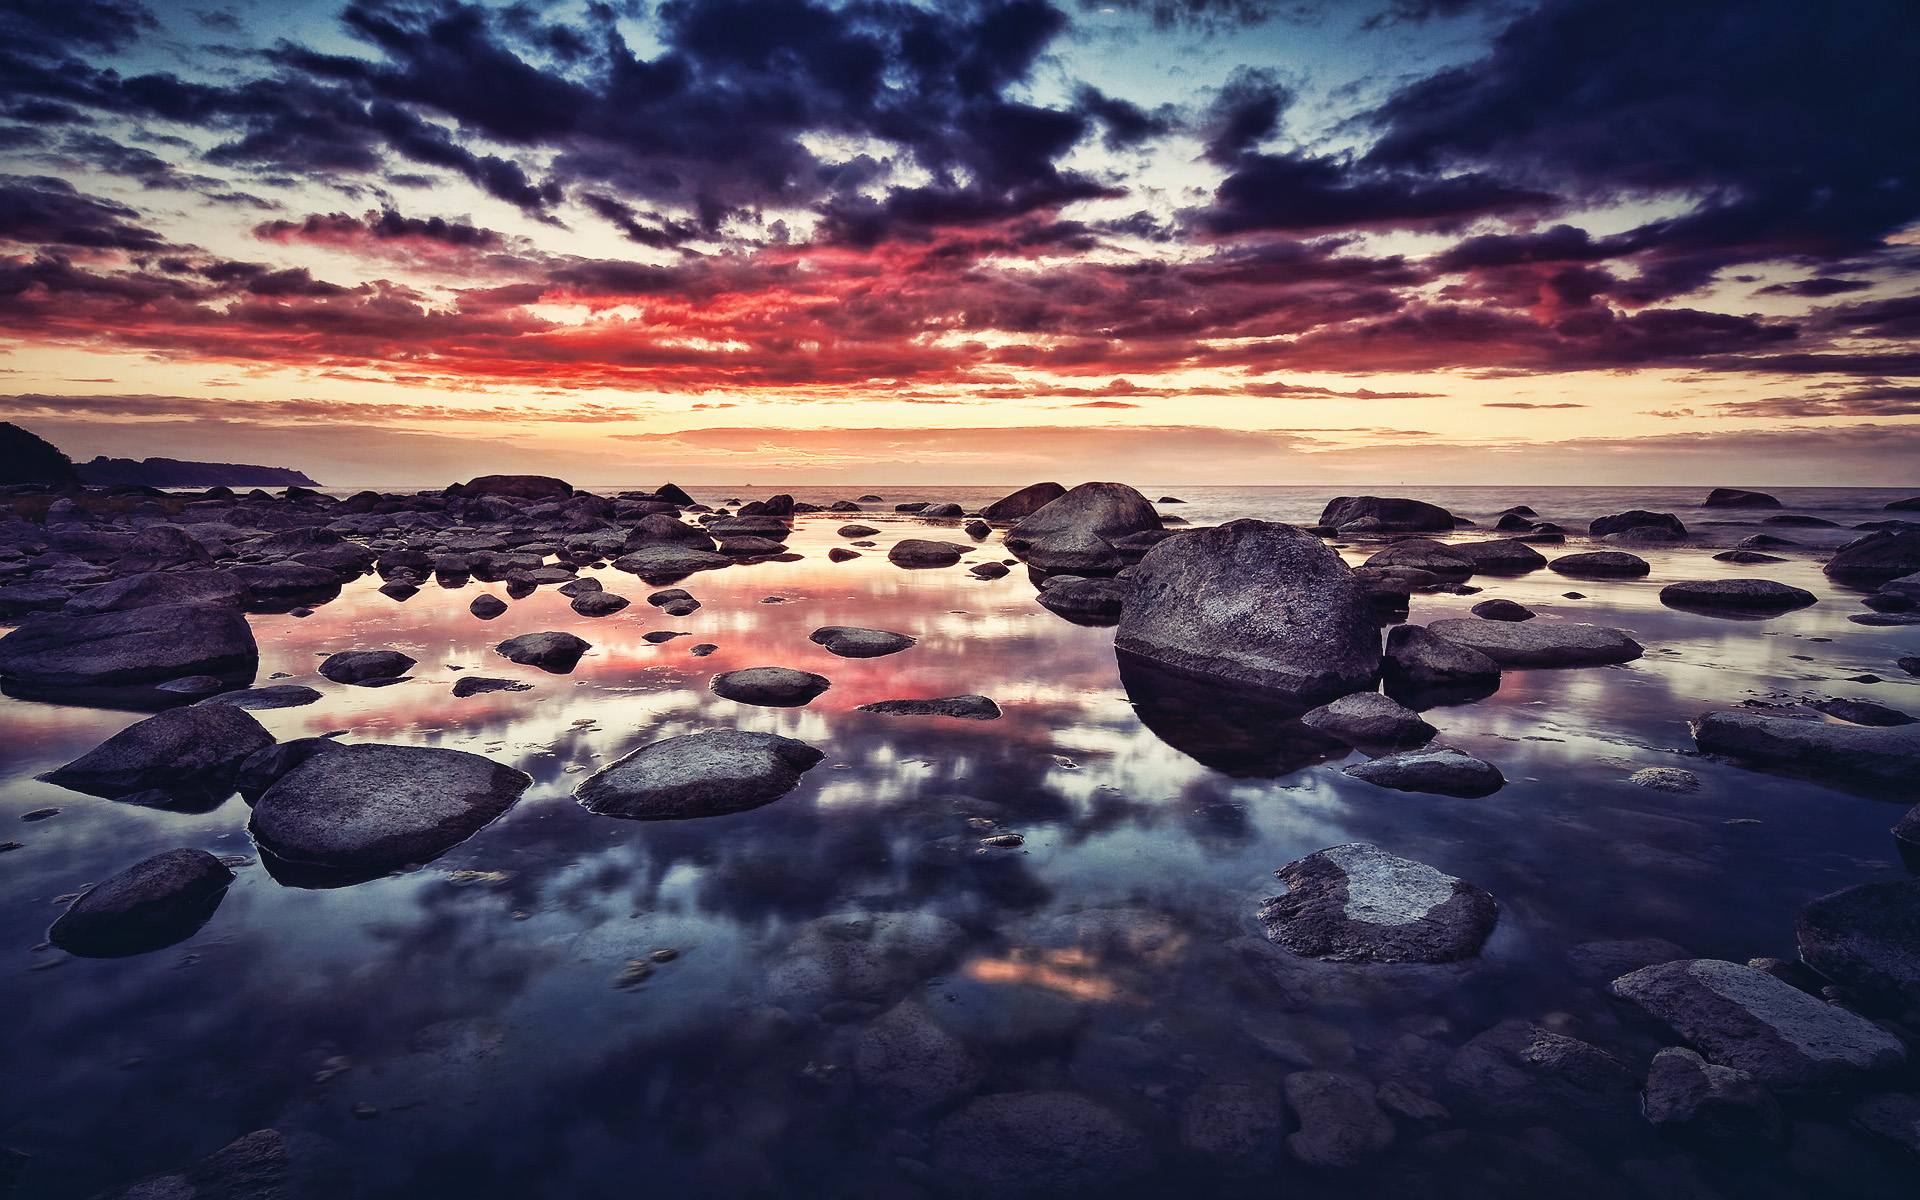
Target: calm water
x,y
472,1001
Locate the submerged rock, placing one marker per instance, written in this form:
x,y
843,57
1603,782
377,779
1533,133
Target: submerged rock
x,y
1889,755
554,652
698,775
1687,1094
1539,643
125,649
968,708
1746,1019
1443,771
1253,603
771,687
1518,1071
191,751
1020,1144
155,903
1736,595
910,1064
368,809
1358,904
1341,1124
1236,1125
850,641
1666,779
1891,1115
1867,939
863,956
278,695
1862,712
359,666
1370,719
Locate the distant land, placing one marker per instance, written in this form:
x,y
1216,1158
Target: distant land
x,y
172,472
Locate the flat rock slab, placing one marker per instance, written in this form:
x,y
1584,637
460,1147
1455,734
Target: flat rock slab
x,y
698,775
849,641
1873,754
474,685
278,695
770,687
1358,904
371,809
192,750
359,666
1441,771
1016,1144
1744,1018
920,552
554,652
119,649
967,708
1867,938
1736,595
156,588
1370,719
666,561
1540,643
155,903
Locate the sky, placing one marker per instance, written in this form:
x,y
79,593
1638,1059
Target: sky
x,y
1362,242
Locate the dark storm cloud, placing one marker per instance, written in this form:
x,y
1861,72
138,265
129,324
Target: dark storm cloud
x,y
52,212
385,226
1302,192
1881,400
1818,287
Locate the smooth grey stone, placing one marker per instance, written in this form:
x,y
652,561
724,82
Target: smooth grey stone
x,y
155,903
1539,643
849,641
263,768
1889,755
1420,660
665,561
1389,514
1440,770
772,687
698,775
598,603
1722,497
1356,903
1504,556
920,552
1425,554
856,531
1637,519
1076,530
1087,601
968,708
1502,610
193,750
1876,558
1862,712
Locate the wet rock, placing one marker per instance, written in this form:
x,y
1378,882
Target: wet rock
x,y
264,767
1666,779
1235,1125
155,903
852,642
1862,712
1417,661
169,587
1687,1094
368,809
1254,603
657,636
577,587
664,561
1735,595
598,604
1891,1115
487,606
1747,1019
1370,719
552,651
1880,618
1385,514
842,554
1502,610
192,685
1871,754
1096,602
1023,503
862,956
190,751
919,552
17,600
702,649
1358,904
698,775
1803,521
910,1064
1018,1144
1876,558
1503,557
857,531
1867,939
988,570
1341,1124
771,687
285,579
942,512
1518,1071
526,487
1666,523
1441,771
1746,557
359,666
126,649
399,590
1425,554
660,529
1539,643
1738,498
474,685
1601,564
967,708
1075,532
278,695
1604,961
747,546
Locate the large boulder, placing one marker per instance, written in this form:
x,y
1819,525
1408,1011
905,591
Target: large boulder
x,y
698,775
149,589
771,687
1440,770
1358,904
1383,514
364,810
1425,554
1539,643
187,751
1867,939
1746,597
1254,603
1875,754
1638,518
155,903
121,650
527,487
553,651
1876,558
849,641
1738,498
1018,1144
1075,533
1023,503
1744,1018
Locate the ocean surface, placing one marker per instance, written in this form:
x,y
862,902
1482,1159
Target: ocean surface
x,y
456,1030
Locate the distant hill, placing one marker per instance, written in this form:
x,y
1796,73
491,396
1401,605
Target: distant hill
x,y
28,458
171,472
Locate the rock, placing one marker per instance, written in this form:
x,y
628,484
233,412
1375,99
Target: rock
x,y
195,685
1386,514
1867,939
1442,771
857,531
852,642
1341,1124
285,579
746,546
657,636
359,666
1638,519
841,554
125,649
666,562
527,487
1605,961
19,599
1875,755
1735,595
1737,498
1019,1144
1876,558
658,529
1503,557
1601,564
191,751
1666,779
279,695
1862,712
910,1064
364,810
942,512
919,552
1892,1115
398,590
1519,1072
1746,1019
862,956
552,651
157,902
1425,554
487,606
1502,610
1023,503
702,649
771,687
1088,601
1253,603
698,775
1075,532
988,570
1418,661
1879,618
264,767
1358,904
967,708
579,586
666,598
474,685
1539,643
1370,719
1803,521
154,588
598,604
1235,1125
1746,557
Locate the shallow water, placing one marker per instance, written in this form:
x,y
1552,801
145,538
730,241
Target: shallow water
x,y
472,1001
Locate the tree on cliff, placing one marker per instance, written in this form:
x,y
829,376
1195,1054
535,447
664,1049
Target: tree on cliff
x,y
29,458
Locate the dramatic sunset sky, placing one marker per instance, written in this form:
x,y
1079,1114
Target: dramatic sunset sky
x,y
1237,241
